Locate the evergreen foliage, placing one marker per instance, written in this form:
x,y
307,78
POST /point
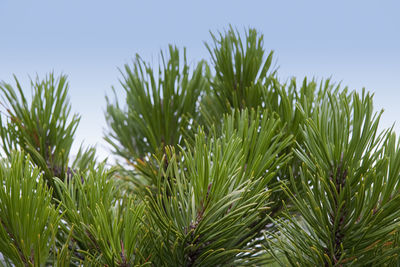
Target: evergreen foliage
x,y
218,164
28,219
43,128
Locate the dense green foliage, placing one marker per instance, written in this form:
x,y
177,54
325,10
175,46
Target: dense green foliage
x,y
219,164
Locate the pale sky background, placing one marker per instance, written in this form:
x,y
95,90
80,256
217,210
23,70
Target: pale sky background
x,y
354,42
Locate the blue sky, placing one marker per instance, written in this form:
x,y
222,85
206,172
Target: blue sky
x,y
354,42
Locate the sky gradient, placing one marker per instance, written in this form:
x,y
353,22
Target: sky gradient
x,y
356,43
